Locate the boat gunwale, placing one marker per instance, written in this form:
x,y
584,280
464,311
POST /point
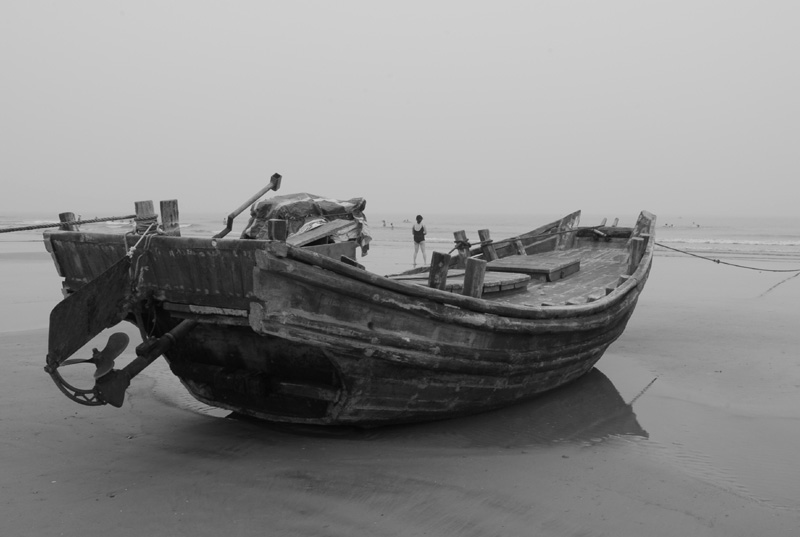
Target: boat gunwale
x,y
302,255
477,305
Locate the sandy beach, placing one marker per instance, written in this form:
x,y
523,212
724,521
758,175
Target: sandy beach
x,y
708,449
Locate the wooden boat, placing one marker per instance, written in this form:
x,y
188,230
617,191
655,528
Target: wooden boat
x,y
290,331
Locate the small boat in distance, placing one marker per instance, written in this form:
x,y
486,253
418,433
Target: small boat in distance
x,y
283,323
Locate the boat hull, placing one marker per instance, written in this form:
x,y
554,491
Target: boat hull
x,y
294,335
401,360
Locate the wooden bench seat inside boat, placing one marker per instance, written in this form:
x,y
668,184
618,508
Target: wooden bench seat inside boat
x,y
492,283
548,266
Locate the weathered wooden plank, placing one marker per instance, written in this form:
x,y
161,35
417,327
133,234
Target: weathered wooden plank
x,y
473,277
170,218
462,245
576,301
67,217
487,247
325,230
145,216
610,232
437,276
636,251
597,294
336,250
567,228
205,310
544,245
553,267
505,248
497,281
352,262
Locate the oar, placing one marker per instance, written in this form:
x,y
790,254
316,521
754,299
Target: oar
x,y
274,184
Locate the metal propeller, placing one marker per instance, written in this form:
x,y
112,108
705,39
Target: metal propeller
x,y
104,359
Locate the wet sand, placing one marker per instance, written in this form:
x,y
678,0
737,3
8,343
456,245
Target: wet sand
x,y
709,448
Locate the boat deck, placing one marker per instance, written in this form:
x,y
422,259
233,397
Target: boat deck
x,y
600,271
592,271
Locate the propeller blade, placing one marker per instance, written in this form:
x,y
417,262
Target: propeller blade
x,y
76,361
104,360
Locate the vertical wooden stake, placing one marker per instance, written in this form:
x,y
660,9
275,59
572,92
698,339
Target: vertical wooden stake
x,y
473,277
170,219
637,249
277,230
463,250
67,217
440,264
616,221
145,215
487,247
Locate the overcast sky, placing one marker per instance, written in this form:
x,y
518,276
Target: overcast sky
x,y
534,106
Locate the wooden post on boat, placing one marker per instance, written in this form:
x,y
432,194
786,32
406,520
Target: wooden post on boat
x,y
67,217
616,221
486,245
145,217
440,264
277,230
599,234
519,247
473,277
646,239
462,245
636,251
170,219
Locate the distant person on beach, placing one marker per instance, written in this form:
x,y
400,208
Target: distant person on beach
x,y
418,231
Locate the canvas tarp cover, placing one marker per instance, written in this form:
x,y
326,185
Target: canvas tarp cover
x,y
305,211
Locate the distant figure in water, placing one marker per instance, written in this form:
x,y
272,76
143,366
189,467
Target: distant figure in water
x,y
418,231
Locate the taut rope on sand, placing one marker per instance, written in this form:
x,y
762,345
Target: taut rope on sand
x,y
641,393
71,222
720,262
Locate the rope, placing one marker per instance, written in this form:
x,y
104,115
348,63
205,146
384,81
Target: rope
x,y
779,283
720,262
144,223
145,235
641,393
71,222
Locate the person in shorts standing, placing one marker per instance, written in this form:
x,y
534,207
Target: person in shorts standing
x,y
418,231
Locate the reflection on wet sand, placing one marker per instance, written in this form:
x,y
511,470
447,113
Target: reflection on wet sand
x,y
588,409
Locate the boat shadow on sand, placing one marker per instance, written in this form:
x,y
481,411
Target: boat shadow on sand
x,y
589,409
